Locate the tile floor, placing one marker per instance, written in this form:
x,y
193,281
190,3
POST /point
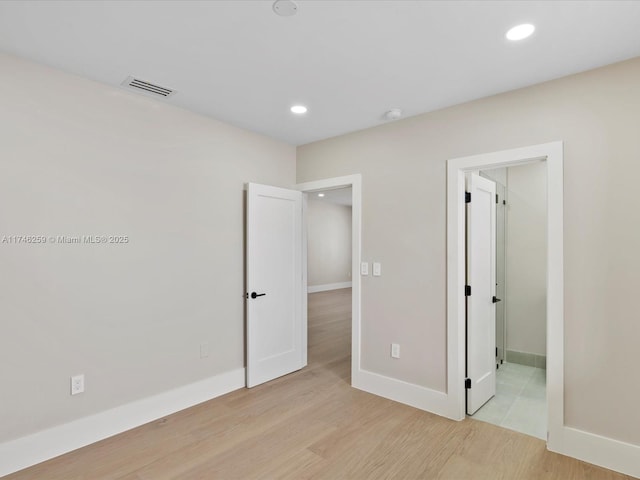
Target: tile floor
x,y
520,403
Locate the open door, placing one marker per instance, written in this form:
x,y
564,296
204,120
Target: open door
x,y
481,291
276,330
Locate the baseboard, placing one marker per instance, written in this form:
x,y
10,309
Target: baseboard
x,y
524,358
328,286
602,451
408,393
27,451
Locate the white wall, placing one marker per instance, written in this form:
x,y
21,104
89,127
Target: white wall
x,y
403,167
77,157
526,302
329,242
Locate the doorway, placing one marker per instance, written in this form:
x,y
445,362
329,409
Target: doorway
x,y
353,184
329,284
551,155
519,402
277,328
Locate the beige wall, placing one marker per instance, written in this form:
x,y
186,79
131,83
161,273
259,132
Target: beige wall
x,y
329,243
526,299
77,157
403,167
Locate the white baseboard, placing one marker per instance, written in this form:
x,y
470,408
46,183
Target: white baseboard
x,y
328,286
414,395
38,447
602,451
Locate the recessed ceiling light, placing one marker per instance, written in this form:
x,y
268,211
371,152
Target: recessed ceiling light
x,y
321,195
299,109
520,32
285,8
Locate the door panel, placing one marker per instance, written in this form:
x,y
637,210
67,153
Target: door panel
x,y
481,276
275,327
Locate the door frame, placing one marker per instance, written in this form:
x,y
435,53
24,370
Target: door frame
x,y
552,155
355,182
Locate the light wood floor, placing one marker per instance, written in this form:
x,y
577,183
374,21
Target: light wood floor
x,y
313,425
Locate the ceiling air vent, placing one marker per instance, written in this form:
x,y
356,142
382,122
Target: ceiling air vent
x,y
147,87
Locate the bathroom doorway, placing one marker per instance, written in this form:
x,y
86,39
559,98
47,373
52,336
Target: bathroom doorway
x,y
520,314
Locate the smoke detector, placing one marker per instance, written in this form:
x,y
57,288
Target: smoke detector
x,y
285,8
393,114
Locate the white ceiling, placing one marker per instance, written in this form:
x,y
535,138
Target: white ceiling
x,y
339,196
349,60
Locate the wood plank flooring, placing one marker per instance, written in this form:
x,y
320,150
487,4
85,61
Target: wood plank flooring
x,y
313,425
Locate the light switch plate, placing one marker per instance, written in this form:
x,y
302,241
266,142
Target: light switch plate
x,y
364,268
377,269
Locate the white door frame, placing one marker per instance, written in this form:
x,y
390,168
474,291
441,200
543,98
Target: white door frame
x,y
355,182
552,154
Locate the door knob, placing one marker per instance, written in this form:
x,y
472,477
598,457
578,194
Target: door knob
x,y
255,295
496,299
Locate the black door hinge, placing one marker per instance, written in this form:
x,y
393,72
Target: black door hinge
x,y
467,290
467,197
467,383
496,351
496,198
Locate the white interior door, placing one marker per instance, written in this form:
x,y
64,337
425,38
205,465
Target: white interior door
x,y
481,277
276,330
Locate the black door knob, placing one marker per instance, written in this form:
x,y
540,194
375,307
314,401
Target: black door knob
x,y
254,294
496,299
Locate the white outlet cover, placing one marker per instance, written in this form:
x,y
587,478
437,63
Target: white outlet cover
x,y
77,384
395,350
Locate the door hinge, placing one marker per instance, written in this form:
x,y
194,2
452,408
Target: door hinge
x,y
467,383
504,202
497,198
467,290
467,197
496,351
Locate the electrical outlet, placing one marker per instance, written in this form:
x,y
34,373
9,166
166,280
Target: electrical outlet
x,y
204,350
77,384
395,350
